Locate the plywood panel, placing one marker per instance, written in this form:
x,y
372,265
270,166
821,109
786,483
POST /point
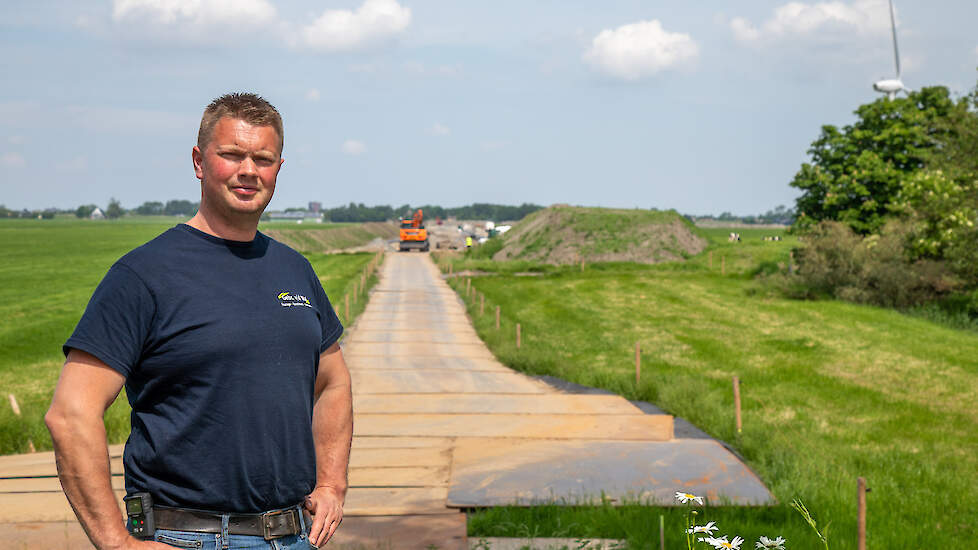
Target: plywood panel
x,y
393,502
375,458
545,426
492,403
400,477
527,472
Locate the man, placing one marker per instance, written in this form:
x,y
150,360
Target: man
x,y
227,347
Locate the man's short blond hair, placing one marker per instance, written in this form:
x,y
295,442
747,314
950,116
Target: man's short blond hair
x,y
249,107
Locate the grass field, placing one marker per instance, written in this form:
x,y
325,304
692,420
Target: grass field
x,y
831,391
49,271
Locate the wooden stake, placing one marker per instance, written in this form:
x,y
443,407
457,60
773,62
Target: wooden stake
x,y
861,519
346,308
662,532
736,388
518,336
497,317
582,265
638,362
482,304
468,287
723,265
711,260
30,446
14,405
355,291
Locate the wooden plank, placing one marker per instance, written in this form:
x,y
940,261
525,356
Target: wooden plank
x,y
363,361
492,404
542,426
29,507
414,349
440,381
49,469
400,477
420,457
371,501
424,532
530,472
45,484
367,442
414,336
59,535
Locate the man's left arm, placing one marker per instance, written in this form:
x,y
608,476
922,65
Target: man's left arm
x,y
332,430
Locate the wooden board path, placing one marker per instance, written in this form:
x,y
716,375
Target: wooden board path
x,y
435,415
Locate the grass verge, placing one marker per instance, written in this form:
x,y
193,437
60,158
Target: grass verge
x,y
50,269
831,391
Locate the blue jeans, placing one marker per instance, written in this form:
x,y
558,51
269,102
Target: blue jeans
x,y
217,541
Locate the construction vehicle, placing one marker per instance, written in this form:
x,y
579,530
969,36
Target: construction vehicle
x,y
413,233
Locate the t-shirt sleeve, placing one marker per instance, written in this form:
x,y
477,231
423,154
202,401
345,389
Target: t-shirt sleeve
x,y
117,322
332,329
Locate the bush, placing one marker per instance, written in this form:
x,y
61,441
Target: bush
x,y
836,262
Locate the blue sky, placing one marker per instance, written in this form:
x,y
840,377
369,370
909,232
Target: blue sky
x,y
701,106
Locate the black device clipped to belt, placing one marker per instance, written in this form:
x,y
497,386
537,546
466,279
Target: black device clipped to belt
x,y
140,521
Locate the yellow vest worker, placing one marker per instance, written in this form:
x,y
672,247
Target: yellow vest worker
x,y
468,242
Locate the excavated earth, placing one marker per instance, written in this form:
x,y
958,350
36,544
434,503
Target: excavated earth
x,y
568,234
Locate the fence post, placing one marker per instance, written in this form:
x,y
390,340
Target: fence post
x,y
518,336
346,307
582,265
497,317
468,286
16,408
861,518
662,532
723,265
638,362
736,389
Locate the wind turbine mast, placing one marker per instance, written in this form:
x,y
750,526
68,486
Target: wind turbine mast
x,y
891,86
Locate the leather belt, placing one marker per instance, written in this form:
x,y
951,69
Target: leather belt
x,y
270,525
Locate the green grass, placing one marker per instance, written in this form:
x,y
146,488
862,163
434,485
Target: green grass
x,y
49,271
831,391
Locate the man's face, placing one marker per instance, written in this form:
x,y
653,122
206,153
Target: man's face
x,y
237,168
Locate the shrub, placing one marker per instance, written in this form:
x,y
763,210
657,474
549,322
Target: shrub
x,y
836,262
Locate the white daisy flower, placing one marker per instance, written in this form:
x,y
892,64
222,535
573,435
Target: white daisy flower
x,y
722,542
709,528
768,544
686,497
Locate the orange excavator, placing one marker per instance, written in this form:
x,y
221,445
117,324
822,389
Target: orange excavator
x,y
413,233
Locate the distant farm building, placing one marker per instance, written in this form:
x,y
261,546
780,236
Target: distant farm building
x,y
97,214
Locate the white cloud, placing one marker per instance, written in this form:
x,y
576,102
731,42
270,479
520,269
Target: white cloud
x,y
861,17
640,50
224,13
438,129
353,147
342,30
312,94
12,160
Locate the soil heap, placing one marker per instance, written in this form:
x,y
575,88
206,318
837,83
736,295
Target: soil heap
x,y
570,234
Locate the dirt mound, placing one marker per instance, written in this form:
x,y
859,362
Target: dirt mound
x,y
332,239
569,234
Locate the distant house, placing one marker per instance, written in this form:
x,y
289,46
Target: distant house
x,y
295,216
97,214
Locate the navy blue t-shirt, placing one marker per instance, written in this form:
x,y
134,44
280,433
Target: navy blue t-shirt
x,y
219,342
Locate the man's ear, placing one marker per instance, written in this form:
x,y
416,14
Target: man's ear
x,y
198,158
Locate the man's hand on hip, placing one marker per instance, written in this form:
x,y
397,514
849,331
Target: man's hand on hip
x,y
326,506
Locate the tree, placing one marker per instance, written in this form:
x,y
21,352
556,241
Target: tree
x,y
114,210
85,210
150,208
179,208
856,172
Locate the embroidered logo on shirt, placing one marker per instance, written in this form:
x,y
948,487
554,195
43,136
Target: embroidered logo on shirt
x,y
287,299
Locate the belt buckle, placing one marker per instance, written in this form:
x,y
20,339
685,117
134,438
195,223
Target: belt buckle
x,y
266,522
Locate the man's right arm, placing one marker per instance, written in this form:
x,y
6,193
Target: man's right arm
x,y
85,389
